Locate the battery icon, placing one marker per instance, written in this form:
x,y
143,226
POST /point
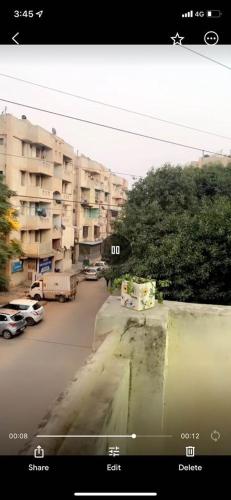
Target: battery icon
x,y
213,13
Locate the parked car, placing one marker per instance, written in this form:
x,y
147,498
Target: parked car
x,y
101,264
11,324
92,273
31,310
85,268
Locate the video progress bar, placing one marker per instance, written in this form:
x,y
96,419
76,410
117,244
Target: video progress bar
x,y
114,494
132,436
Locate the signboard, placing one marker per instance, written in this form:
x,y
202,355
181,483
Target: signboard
x,y
17,266
45,265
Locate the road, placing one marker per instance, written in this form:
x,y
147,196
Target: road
x,y
36,366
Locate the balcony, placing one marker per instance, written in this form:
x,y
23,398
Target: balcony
x,y
87,197
37,135
31,191
66,196
86,182
56,232
118,201
118,181
67,174
68,150
92,167
39,166
37,249
30,222
99,185
57,157
90,241
58,254
94,183
114,207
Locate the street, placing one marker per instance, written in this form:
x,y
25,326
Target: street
x,y
36,366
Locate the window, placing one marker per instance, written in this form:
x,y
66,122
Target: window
x,y
64,187
23,236
35,285
1,141
37,180
23,148
91,213
3,317
36,306
23,178
37,236
11,306
85,231
23,207
97,195
38,153
96,232
17,317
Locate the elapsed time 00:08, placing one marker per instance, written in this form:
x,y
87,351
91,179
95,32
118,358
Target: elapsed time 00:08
x,y
15,435
190,435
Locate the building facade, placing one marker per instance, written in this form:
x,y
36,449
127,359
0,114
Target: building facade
x,y
207,159
38,166
99,196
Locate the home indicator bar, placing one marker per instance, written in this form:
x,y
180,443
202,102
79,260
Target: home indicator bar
x,y
116,494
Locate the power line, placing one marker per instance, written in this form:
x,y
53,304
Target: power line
x,y
208,58
119,108
117,129
66,201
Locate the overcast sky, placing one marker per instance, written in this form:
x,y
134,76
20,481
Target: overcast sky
x,y
166,81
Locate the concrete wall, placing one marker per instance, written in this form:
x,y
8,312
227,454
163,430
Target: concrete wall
x,y
198,374
163,371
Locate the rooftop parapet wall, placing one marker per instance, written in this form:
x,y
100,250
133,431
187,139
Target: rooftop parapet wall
x,y
165,370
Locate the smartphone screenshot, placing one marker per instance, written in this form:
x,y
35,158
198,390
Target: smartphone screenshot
x,y
115,252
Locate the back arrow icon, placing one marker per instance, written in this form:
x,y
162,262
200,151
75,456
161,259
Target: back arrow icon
x,y
13,38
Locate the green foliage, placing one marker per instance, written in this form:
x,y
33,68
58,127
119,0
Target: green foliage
x,y
8,248
162,287
178,221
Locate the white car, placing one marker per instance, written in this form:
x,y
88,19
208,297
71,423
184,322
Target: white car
x,y
101,264
31,310
92,273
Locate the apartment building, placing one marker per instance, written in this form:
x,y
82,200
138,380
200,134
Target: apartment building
x,y
212,159
38,166
99,196
118,188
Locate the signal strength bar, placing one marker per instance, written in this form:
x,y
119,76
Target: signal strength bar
x,y
188,14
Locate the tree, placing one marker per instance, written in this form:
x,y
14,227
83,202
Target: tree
x,y
178,220
8,222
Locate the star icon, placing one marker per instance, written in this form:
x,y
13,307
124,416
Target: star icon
x,y
177,39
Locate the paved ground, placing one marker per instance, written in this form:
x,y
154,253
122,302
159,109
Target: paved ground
x,y
37,366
